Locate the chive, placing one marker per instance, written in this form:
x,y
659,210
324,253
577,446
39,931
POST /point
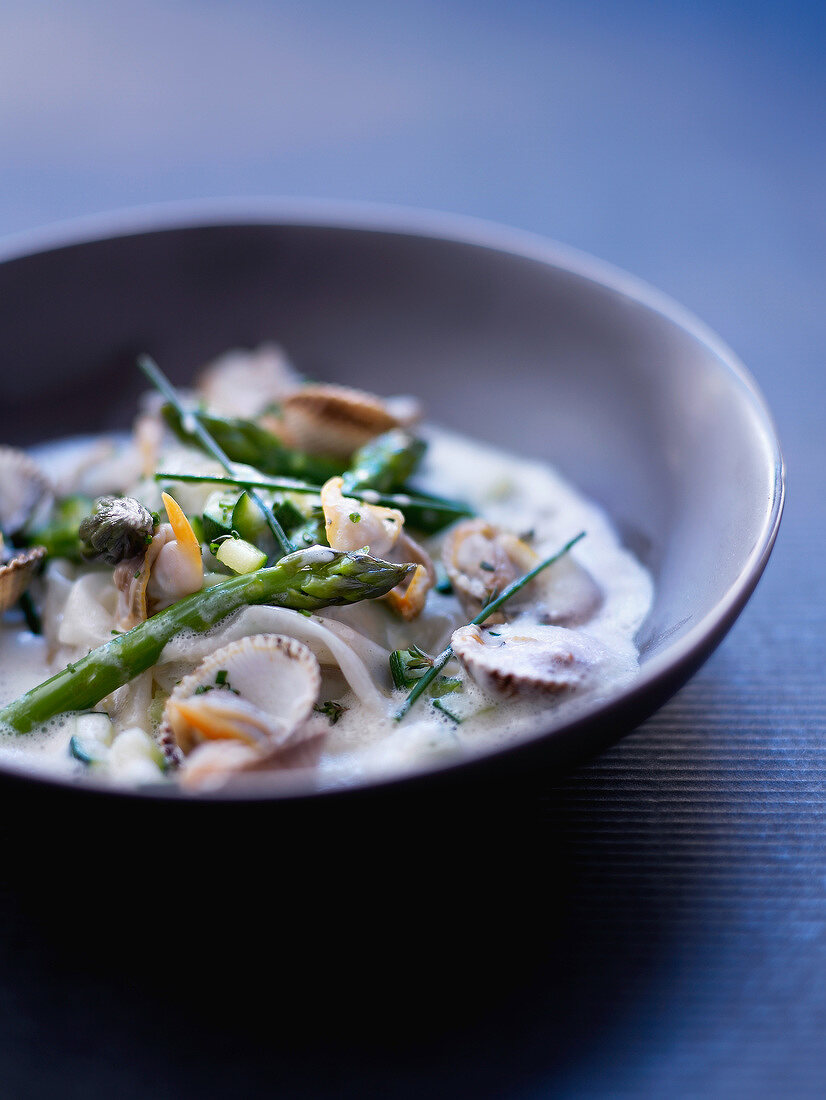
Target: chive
x,y
221,676
493,605
451,509
487,566
355,517
439,705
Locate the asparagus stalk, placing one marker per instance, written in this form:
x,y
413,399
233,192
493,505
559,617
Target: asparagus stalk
x,y
439,662
383,464
305,581
247,442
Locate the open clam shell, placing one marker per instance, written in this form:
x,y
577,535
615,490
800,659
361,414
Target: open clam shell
x,y
16,575
337,420
258,691
528,659
482,559
23,488
408,598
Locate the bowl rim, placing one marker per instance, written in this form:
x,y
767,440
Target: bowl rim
x,y
683,654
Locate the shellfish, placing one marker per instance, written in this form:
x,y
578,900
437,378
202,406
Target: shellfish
x,y
257,692
337,420
171,567
16,574
526,659
23,489
351,524
245,383
482,559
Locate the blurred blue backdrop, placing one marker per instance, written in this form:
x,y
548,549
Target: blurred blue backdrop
x,y
676,139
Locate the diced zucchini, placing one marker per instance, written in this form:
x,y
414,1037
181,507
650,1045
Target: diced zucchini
x,y
95,724
250,523
248,520
93,736
197,525
218,514
240,556
286,511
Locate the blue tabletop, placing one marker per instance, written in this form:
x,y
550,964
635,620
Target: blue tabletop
x,y
686,951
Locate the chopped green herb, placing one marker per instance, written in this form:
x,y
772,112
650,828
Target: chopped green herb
x,y
407,665
355,517
221,676
81,751
446,685
443,583
439,705
486,565
331,709
138,573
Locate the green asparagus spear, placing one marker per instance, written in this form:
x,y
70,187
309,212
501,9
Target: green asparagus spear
x,y
247,442
305,580
385,463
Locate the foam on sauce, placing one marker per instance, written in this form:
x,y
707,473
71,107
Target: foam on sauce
x,y
517,494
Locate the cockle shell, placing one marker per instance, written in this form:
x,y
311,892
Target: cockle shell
x,y
528,659
337,420
16,575
482,559
258,691
245,383
23,488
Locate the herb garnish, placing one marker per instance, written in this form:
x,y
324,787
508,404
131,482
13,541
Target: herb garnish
x,y
331,709
439,705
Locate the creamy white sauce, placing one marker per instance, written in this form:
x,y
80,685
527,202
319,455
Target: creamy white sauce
x,y
353,643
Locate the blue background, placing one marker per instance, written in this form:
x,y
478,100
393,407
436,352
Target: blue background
x,y
686,144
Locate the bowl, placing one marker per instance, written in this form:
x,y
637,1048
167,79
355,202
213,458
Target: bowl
x,y
507,337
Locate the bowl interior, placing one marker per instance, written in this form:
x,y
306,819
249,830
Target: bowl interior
x,y
642,412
